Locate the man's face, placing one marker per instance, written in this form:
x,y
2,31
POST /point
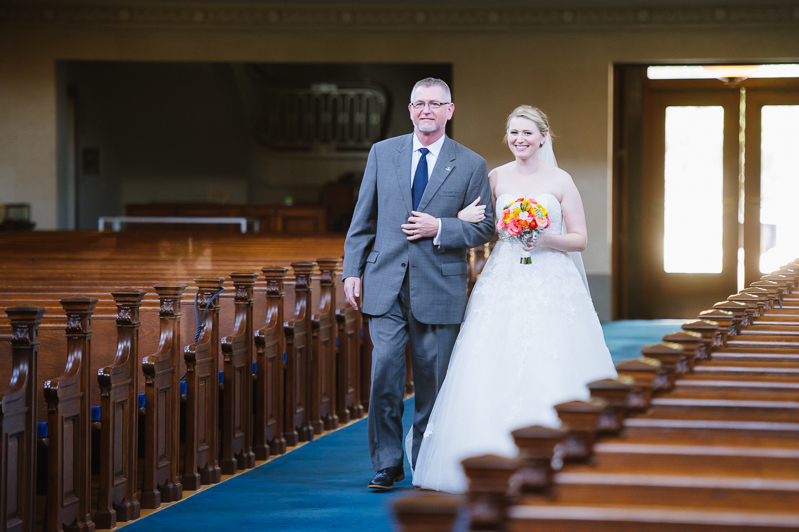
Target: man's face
x,y
427,120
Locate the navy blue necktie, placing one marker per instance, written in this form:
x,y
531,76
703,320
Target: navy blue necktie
x,y
420,178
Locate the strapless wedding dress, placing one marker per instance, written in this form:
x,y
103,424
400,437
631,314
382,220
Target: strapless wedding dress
x,y
530,339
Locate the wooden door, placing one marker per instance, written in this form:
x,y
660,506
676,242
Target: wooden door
x,y
770,229
689,195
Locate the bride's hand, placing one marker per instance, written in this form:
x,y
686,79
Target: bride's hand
x,y
539,242
473,212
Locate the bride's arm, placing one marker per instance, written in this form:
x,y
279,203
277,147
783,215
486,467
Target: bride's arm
x,y
573,216
473,212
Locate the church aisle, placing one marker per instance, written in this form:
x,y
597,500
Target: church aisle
x,y
322,485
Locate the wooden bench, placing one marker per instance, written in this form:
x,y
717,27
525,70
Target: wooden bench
x,y
252,425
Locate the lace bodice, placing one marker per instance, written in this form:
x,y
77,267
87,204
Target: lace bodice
x,y
546,199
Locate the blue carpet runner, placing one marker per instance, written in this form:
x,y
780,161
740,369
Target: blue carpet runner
x,y
322,485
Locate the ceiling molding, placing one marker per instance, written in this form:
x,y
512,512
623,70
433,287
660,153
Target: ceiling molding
x,y
391,18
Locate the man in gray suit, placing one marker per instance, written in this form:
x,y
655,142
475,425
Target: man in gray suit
x,y
408,244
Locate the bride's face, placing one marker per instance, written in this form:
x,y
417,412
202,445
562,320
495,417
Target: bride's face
x,y
524,137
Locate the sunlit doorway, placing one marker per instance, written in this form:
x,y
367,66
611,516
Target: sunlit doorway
x,y
704,174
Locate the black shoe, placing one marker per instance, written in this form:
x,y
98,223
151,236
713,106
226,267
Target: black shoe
x,y
385,478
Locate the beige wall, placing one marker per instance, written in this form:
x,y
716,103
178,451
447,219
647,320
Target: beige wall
x,y
566,72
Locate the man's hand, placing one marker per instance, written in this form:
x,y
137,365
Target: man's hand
x,y
421,225
352,290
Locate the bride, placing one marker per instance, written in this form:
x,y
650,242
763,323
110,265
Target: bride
x,y
530,338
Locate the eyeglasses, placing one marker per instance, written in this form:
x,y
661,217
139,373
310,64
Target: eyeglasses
x,y
434,106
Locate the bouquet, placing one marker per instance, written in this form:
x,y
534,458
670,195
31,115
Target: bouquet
x,y
521,222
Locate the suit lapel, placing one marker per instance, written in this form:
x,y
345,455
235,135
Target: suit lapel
x,y
402,165
445,163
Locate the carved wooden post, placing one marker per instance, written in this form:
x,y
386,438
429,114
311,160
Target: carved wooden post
x,y
773,290
753,305
672,361
365,380
645,373
582,418
538,446
69,422
690,342
162,405
347,405
297,420
763,296
724,320
426,512
201,456
617,393
323,355
18,405
119,408
269,398
738,311
781,280
489,486
709,331
237,419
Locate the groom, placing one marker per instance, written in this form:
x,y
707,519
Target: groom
x,y
409,246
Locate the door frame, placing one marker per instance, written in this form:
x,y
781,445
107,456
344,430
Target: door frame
x,y
759,92
688,292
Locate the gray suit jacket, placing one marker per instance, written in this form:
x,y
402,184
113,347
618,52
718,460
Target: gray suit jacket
x,y
377,248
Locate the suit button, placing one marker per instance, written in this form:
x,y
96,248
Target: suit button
x,y
403,264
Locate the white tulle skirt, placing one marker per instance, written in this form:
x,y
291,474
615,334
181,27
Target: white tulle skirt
x,y
530,339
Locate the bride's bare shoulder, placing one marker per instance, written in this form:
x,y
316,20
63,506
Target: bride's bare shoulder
x,y
501,169
494,174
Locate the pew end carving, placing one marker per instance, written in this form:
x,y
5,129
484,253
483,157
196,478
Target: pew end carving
x,y
18,403
298,375
269,406
162,405
426,512
120,417
323,353
201,451
237,400
69,426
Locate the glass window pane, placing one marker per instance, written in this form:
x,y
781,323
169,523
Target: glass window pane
x,y
694,177
779,186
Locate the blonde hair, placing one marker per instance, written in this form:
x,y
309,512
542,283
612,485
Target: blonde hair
x,y
534,114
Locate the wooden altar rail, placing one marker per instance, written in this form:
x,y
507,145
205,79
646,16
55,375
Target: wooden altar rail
x,y
700,434
162,481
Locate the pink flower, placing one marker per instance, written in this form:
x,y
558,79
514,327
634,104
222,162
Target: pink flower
x,y
543,221
501,225
514,229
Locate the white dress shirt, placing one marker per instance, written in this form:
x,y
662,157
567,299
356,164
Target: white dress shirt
x,y
432,157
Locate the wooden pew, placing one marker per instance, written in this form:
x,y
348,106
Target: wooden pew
x,y
269,408
348,404
297,425
120,418
237,421
201,453
162,406
69,426
135,327
18,423
323,353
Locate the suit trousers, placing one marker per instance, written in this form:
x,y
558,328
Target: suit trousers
x,y
431,347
